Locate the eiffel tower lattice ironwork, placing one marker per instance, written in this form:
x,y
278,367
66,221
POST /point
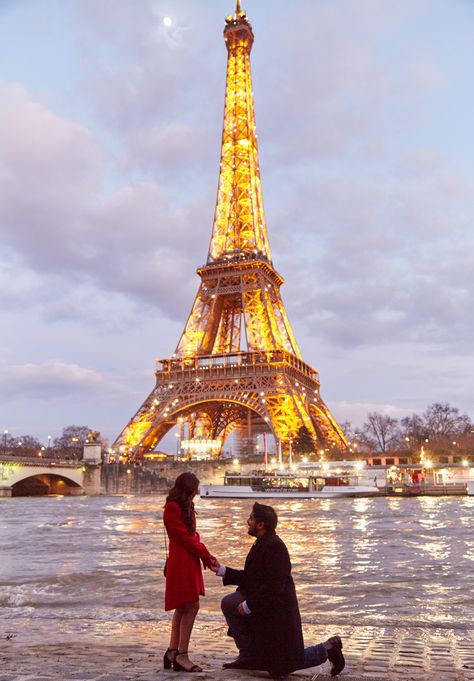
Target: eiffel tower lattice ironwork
x,y
237,364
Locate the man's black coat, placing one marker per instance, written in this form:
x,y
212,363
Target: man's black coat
x,y
275,623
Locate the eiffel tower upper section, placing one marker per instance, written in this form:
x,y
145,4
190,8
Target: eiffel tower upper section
x,y
255,317
239,222
237,364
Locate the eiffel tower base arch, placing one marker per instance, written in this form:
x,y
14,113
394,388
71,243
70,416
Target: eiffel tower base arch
x,y
270,392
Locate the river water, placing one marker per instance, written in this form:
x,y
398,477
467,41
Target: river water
x,y
374,561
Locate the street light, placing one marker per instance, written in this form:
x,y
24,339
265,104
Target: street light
x,y
5,433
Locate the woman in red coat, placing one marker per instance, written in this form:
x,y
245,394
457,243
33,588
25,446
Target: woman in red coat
x,y
184,581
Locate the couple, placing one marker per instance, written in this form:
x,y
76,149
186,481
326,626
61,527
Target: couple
x,y
262,615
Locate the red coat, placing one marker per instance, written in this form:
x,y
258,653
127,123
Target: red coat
x,y
184,581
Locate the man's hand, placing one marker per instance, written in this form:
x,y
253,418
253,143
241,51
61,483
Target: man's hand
x,y
214,564
241,611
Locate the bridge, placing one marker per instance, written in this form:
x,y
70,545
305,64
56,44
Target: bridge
x,y
34,477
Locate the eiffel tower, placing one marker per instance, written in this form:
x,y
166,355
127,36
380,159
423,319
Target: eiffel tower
x,y
237,364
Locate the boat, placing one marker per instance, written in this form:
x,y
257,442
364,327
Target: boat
x,y
298,484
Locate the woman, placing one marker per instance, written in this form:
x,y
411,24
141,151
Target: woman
x,y
184,581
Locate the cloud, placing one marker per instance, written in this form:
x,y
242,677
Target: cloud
x,y
172,148
50,168
350,95
53,379
57,223
358,411
384,256
142,72
106,200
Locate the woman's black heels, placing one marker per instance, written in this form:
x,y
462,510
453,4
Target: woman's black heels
x,y
167,661
179,667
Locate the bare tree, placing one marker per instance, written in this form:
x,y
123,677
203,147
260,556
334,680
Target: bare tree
x,y
21,445
28,442
414,433
381,432
443,420
71,443
72,436
349,430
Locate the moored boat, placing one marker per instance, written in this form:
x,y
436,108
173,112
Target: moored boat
x,y
288,485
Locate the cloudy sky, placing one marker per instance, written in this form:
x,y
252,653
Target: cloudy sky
x,y
110,127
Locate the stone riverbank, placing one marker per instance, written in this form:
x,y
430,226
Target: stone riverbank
x,y
87,650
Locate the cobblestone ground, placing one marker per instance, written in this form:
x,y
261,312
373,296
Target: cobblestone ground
x,y
132,651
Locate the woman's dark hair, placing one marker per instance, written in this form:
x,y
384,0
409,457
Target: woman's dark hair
x,y
185,487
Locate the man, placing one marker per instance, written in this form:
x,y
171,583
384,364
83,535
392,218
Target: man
x,y
263,614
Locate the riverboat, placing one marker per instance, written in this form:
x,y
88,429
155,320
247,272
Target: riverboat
x,y
289,485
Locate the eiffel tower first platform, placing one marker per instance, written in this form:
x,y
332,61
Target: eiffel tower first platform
x,y
237,365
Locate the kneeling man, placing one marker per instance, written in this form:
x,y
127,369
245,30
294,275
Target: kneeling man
x,y
263,614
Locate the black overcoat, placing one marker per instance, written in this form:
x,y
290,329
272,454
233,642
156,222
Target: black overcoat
x,y
275,623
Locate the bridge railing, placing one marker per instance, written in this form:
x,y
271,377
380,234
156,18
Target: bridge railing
x,y
39,460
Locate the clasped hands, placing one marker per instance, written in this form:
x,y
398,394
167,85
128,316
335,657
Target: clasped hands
x,y
213,564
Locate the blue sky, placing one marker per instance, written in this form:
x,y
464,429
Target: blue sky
x,y
110,127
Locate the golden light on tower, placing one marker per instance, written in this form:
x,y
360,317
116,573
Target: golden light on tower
x,y
237,364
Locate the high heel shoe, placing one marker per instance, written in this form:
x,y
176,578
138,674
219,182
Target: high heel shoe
x,y
167,662
180,668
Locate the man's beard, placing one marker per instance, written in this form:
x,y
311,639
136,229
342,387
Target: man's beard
x,y
252,532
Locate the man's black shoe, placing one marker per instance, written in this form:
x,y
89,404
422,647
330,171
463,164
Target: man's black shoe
x,y
334,649
239,663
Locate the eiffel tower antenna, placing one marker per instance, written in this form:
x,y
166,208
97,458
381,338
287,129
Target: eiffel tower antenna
x,y
237,366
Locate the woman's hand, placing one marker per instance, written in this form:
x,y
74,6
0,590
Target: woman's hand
x,y
214,564
209,562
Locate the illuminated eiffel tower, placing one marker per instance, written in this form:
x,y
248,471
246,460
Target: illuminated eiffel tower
x,y
237,364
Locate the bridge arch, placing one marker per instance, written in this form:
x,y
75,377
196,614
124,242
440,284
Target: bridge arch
x,y
44,484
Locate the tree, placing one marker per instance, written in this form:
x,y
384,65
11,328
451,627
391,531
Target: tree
x,y
443,420
414,432
381,432
357,444
351,432
28,442
303,442
71,443
8,442
72,436
21,445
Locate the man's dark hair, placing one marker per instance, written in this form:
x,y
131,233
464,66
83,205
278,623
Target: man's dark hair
x,y
266,515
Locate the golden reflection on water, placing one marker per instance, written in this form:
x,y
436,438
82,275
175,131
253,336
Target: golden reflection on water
x,y
360,561
362,539
394,503
310,531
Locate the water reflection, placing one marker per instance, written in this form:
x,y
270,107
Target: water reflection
x,y
363,561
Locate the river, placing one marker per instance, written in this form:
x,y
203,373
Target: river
x,y
374,561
